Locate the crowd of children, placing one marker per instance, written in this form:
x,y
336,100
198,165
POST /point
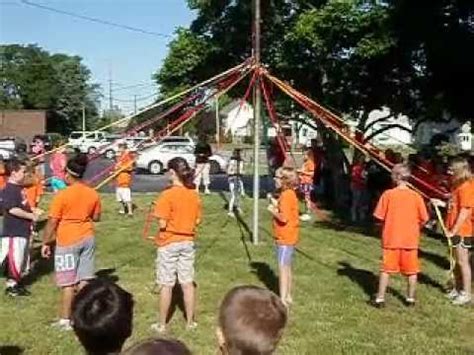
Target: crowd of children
x,y
76,206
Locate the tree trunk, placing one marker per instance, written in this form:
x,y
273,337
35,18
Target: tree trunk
x,y
336,164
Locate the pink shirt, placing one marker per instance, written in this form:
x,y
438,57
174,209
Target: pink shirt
x,y
58,164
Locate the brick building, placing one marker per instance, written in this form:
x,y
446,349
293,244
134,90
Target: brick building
x,y
22,123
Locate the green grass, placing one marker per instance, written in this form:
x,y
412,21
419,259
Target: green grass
x,y
335,271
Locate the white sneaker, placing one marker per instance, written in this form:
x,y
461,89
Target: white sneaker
x,y
207,192
63,325
305,217
231,214
462,299
453,294
159,328
191,326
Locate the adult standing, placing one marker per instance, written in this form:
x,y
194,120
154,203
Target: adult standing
x,y
203,152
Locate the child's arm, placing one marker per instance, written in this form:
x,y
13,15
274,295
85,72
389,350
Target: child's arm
x,y
20,213
48,237
463,215
276,214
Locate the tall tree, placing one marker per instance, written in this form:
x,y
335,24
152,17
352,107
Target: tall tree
x,y
32,78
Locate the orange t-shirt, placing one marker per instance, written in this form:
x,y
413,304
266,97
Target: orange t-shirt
x,y
403,212
461,197
125,161
124,179
34,192
75,208
287,233
180,207
307,172
3,177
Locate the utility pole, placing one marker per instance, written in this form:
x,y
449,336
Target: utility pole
x,y
111,101
83,117
257,111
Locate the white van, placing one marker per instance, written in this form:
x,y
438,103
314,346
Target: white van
x,y
86,140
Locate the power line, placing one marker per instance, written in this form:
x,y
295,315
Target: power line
x,y
135,86
96,20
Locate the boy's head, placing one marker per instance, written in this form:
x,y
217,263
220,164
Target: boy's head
x,y
286,178
309,155
461,170
251,321
76,168
16,170
400,173
158,346
102,315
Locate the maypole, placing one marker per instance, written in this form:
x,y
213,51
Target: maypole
x,y
257,111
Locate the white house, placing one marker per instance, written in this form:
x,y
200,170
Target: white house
x,y
237,118
402,133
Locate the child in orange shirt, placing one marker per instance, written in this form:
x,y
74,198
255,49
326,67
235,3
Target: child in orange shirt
x,y
403,213
178,210
459,224
123,190
285,227
34,187
306,174
72,215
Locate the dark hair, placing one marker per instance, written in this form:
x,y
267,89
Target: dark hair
x,y
158,346
185,174
77,165
252,320
14,165
102,315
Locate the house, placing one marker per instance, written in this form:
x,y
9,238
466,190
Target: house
x,y
404,131
24,124
237,118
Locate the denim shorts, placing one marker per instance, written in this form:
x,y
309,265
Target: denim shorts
x,y
285,254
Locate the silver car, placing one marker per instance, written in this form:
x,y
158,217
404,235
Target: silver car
x,y
155,159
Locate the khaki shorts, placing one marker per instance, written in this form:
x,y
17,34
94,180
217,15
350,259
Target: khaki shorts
x,y
176,259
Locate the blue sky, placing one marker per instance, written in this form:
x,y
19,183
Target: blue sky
x,y
131,56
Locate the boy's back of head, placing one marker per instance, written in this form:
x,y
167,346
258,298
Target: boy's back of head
x,y
158,346
251,320
102,315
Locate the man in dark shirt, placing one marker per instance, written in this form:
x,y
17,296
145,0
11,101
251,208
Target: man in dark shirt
x,y
202,153
18,217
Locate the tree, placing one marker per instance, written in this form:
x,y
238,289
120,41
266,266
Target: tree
x,y
60,84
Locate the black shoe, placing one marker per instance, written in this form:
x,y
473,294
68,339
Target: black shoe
x,y
377,304
17,291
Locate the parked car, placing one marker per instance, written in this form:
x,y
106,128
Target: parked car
x,y
87,141
114,141
13,144
177,139
155,158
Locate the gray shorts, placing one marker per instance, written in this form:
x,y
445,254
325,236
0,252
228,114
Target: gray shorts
x,y
176,259
75,263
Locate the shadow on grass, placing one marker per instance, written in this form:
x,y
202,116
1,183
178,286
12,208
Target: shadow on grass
x,y
107,274
365,279
177,301
428,281
266,275
436,259
39,267
11,350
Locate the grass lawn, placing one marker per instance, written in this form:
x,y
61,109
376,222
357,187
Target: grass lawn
x,y
335,273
